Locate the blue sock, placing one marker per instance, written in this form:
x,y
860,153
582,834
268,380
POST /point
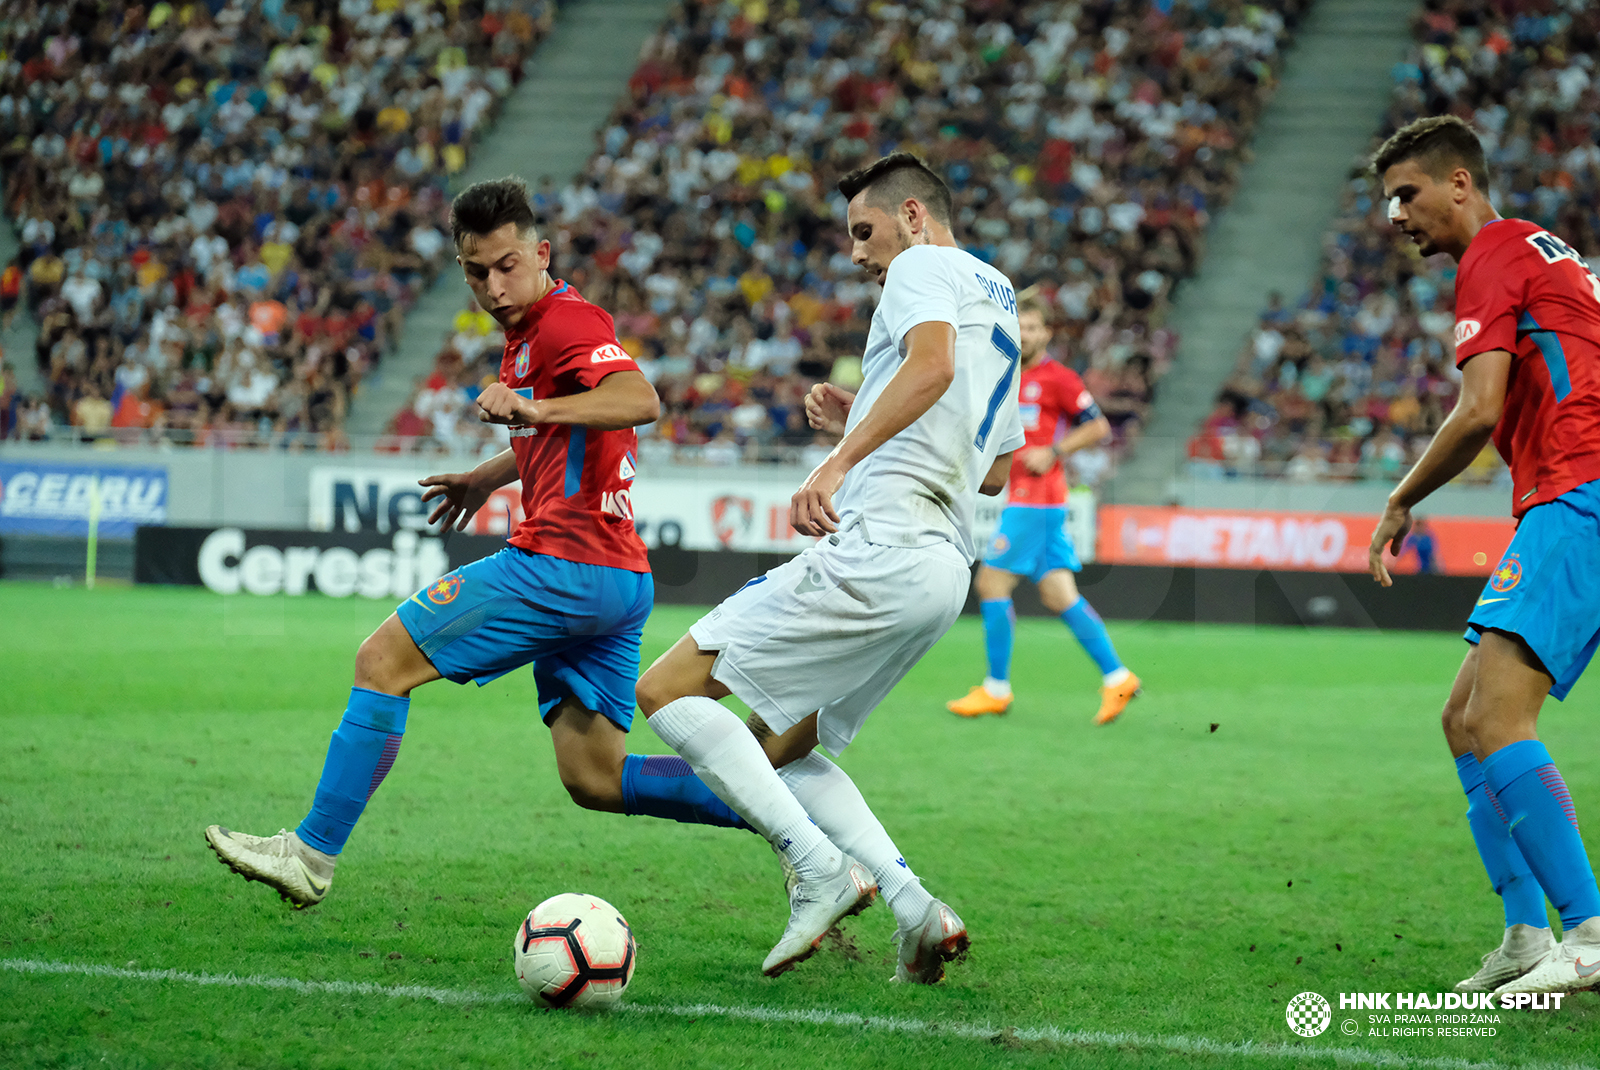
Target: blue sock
x,y
1544,823
1090,631
362,750
1513,881
665,786
998,622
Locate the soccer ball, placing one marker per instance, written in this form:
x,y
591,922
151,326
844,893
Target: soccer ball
x,y
574,950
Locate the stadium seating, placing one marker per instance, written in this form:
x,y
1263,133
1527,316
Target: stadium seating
x,y
1352,382
225,208
1086,145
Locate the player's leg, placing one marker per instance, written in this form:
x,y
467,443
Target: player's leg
x,y
1059,593
595,767
1527,937
931,932
994,587
678,695
1509,688
300,863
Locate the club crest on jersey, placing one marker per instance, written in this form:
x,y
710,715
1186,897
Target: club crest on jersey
x,y
1466,329
1030,391
443,591
1507,575
625,470
519,367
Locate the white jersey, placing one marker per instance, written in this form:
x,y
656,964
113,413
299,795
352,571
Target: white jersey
x,y
920,487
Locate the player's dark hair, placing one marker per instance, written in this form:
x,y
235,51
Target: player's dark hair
x,y
484,207
1439,144
898,177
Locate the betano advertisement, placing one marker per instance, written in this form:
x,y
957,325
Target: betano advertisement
x,y
708,511
1310,542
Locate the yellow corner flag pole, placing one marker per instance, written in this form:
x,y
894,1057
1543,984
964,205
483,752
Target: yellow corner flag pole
x,y
94,530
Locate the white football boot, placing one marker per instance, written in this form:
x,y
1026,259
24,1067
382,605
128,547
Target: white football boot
x,y
300,873
816,907
939,938
1519,952
1571,965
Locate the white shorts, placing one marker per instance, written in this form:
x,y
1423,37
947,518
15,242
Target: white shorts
x,y
832,630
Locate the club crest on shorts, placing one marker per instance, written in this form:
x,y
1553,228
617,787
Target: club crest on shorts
x,y
519,367
1507,575
999,545
443,591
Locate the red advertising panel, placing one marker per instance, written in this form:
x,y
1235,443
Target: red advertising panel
x,y
1312,542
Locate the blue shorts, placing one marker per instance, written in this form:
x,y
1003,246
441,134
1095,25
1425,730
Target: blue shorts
x,y
579,625
1546,588
1032,541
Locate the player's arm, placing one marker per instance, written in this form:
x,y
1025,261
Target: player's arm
x,y
926,373
1085,436
1461,438
624,398
460,494
995,481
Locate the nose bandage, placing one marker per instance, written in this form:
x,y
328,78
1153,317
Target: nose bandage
x,y
1394,209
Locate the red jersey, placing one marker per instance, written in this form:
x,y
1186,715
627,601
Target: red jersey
x,y
1051,395
1522,289
575,480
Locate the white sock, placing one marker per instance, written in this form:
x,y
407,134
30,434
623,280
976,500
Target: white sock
x,y
723,753
835,803
997,688
1115,677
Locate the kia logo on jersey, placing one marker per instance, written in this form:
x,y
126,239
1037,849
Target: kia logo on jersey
x,y
519,367
731,517
608,352
1466,329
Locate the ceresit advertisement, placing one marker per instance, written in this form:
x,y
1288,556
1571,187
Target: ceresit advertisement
x,y
704,511
1313,542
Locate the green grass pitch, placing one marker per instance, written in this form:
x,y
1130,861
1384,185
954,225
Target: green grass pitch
x,y
1276,814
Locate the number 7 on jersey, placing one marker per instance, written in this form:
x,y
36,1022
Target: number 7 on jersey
x,y
1008,349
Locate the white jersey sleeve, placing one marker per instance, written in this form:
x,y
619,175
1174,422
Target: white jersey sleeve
x,y
920,488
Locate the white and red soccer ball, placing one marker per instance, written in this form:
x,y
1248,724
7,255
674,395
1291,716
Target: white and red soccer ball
x,y
574,950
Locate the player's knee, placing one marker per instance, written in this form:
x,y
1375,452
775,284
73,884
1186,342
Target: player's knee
x,y
591,790
371,662
653,690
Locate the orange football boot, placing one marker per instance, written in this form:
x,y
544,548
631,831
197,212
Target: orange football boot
x,y
1113,700
978,702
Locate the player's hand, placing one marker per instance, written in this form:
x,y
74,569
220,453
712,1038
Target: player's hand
x,y
1038,459
828,408
1390,533
811,509
458,497
499,404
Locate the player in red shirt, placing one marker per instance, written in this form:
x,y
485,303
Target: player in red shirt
x,y
1528,345
1032,539
570,594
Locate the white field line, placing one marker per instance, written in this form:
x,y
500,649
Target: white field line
x,y
1045,1035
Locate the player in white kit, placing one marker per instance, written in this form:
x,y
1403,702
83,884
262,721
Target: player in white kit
x,y
815,644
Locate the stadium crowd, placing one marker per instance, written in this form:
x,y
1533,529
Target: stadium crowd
x,y
1353,380
225,207
1086,144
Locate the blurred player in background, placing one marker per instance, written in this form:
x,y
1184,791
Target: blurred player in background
x,y
814,645
1528,345
570,594
1032,541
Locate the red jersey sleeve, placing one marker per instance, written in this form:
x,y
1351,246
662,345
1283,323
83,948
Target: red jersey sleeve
x,y
1491,292
584,344
1075,401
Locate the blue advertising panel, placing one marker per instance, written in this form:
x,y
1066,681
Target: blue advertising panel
x,y
45,498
